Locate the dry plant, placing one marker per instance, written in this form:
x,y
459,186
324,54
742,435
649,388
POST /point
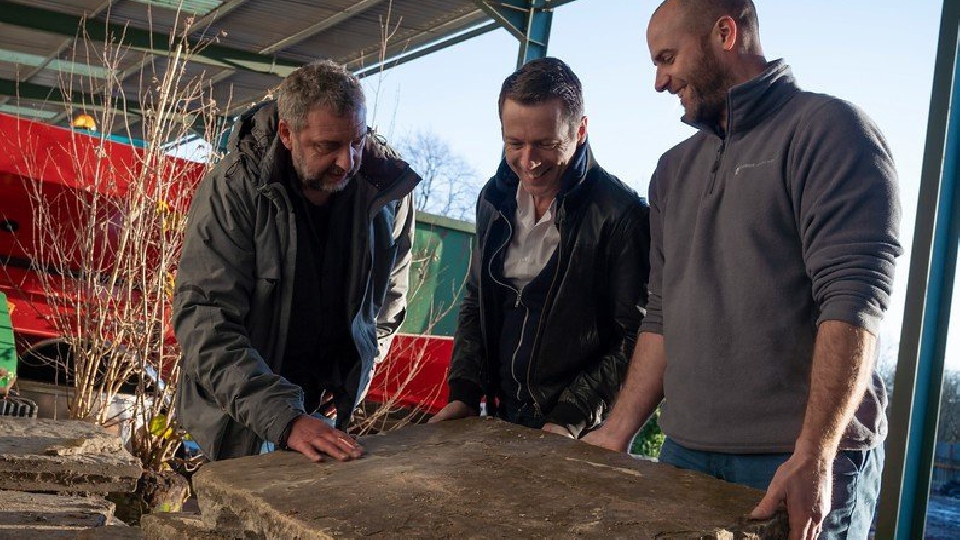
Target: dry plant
x,y
402,369
105,252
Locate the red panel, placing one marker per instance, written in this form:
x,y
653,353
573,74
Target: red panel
x,y
414,374
69,166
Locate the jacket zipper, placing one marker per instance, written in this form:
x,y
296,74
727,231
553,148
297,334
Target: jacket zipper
x,y
518,303
723,144
543,316
716,166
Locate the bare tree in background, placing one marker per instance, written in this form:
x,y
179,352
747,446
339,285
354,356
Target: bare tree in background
x,y
449,186
948,430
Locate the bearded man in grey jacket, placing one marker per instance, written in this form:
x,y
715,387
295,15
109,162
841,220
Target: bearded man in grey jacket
x,y
773,241
293,275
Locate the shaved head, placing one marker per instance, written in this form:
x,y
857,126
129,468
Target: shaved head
x,y
701,15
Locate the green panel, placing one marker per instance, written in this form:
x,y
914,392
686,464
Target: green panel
x,y
441,257
8,354
193,7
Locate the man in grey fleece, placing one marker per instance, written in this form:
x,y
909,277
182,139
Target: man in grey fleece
x,y
293,275
773,241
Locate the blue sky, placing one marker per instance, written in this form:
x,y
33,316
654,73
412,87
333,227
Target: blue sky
x,y
878,54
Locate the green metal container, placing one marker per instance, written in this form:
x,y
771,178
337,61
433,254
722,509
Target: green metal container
x,y
441,259
8,354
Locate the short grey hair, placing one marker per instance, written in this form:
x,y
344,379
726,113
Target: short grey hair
x,y
321,83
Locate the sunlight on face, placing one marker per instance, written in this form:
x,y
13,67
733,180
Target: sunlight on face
x,y
538,144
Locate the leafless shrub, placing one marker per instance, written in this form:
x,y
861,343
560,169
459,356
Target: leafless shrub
x,y
105,250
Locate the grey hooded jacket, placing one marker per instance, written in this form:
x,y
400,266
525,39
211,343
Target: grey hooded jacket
x,y
235,281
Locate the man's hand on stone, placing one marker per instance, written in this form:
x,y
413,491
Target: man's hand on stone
x,y
454,410
313,438
605,438
805,484
558,429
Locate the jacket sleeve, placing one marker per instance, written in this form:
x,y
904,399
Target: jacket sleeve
x,y
469,351
848,213
215,281
591,394
394,308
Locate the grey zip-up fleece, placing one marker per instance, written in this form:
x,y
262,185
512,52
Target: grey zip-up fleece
x,y
757,236
231,308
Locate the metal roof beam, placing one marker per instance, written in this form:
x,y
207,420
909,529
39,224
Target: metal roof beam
x,y
152,42
217,13
58,96
400,44
47,94
63,46
136,68
315,29
417,53
527,20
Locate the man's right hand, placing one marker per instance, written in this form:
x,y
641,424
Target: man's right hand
x,y
313,438
604,438
453,411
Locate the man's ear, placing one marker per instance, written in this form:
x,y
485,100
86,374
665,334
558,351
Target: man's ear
x,y
582,131
286,136
727,32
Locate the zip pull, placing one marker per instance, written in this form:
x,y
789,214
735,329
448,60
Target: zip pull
x,y
716,166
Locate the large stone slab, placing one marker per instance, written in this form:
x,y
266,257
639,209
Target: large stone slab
x,y
475,478
45,516
163,526
63,456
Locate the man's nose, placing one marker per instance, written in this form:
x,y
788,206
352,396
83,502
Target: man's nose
x,y
346,158
662,80
528,158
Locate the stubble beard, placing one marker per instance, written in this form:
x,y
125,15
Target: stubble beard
x,y
314,182
710,82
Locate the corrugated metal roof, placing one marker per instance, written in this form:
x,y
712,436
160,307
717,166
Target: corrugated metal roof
x,y
249,45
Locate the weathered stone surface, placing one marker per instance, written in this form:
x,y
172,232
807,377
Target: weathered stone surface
x,y
162,526
475,478
40,515
63,456
113,532
109,532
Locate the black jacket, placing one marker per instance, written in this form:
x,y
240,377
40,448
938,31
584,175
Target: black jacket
x,y
593,308
235,280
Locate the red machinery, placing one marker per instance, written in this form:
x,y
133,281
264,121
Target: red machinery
x,y
412,376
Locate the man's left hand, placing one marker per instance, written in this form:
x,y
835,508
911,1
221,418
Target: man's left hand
x,y
558,429
805,484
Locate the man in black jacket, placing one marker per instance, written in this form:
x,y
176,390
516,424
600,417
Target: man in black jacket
x,y
558,277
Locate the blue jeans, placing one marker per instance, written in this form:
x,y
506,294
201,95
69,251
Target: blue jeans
x,y
856,481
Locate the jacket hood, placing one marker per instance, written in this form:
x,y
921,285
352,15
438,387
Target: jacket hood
x,y
255,136
572,182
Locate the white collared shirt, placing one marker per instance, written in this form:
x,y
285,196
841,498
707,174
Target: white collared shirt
x,y
533,241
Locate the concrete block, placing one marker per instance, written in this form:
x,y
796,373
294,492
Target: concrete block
x,y
475,478
63,456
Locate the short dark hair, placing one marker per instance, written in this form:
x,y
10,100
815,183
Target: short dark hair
x,y
701,15
320,83
542,80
